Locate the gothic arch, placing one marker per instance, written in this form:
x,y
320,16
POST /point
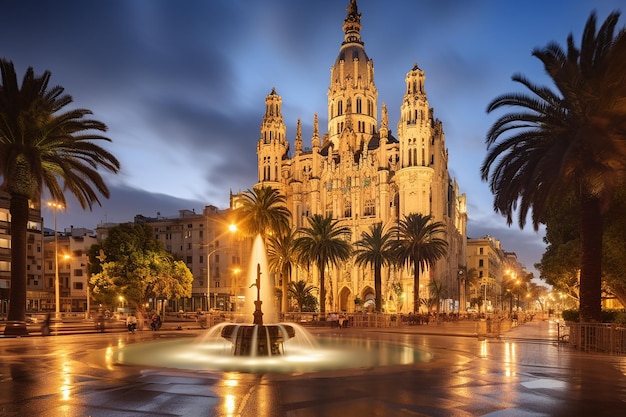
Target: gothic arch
x,y
368,296
346,300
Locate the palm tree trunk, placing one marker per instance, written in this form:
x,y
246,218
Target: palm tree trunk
x,y
19,222
591,262
285,287
322,290
416,288
377,288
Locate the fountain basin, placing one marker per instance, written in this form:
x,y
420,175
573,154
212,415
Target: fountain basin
x,y
328,353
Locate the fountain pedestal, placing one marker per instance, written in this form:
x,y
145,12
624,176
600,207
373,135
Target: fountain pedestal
x,y
257,340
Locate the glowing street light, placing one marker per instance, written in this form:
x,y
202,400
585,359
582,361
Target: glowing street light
x,y
57,302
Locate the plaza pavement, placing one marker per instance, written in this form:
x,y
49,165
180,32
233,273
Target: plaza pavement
x,y
523,373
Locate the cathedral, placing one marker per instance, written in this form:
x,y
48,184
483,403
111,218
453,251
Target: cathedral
x,y
360,173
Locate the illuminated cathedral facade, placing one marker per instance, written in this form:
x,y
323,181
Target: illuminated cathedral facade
x,y
359,173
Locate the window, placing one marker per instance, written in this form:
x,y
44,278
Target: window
x,y
78,272
78,285
480,263
189,259
369,208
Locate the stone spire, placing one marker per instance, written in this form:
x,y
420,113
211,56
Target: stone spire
x,y
298,141
315,141
352,24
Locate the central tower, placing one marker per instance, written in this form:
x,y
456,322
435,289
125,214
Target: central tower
x,y
352,95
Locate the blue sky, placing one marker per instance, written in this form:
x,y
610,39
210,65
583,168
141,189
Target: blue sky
x,y
181,84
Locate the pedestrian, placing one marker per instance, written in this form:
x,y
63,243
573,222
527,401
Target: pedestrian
x,y
45,327
99,322
156,322
131,323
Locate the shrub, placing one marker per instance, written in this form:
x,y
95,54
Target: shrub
x,y
608,316
570,315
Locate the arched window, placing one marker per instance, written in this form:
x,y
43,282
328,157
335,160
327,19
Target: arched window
x,y
347,209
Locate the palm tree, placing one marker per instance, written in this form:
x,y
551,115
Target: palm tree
x,y
281,258
417,245
302,293
41,143
471,279
323,243
437,292
375,250
263,211
570,141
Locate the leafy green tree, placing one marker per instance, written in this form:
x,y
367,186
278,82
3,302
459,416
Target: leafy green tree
x,y
303,294
281,258
41,142
133,264
614,242
570,141
418,245
323,243
375,250
560,263
263,211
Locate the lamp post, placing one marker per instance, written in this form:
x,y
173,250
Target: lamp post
x,y
208,275
231,228
485,297
57,302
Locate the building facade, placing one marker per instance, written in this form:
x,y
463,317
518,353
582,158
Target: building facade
x,y
34,253
360,173
212,250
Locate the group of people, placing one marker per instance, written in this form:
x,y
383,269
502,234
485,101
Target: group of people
x,y
337,320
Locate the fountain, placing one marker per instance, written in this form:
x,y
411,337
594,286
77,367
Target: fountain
x,y
259,347
258,339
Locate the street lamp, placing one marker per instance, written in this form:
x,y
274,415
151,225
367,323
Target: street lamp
x,y
231,228
485,297
235,287
57,307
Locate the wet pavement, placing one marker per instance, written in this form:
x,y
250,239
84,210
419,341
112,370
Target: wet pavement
x,y
525,372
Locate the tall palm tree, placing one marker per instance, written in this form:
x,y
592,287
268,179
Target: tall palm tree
x,y
41,143
323,243
419,246
572,140
281,258
263,211
375,250
437,292
302,292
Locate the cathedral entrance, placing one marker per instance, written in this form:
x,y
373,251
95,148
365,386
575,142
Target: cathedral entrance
x,y
346,300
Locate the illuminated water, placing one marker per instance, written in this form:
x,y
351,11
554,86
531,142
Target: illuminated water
x,y
325,354
302,353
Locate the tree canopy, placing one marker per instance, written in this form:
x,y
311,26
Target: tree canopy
x,y
131,263
44,147
571,141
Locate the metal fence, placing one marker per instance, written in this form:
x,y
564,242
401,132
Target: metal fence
x,y
598,337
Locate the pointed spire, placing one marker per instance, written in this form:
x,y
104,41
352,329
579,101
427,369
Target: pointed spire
x,y
352,24
315,142
384,124
298,137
